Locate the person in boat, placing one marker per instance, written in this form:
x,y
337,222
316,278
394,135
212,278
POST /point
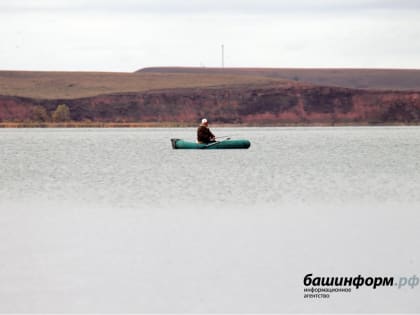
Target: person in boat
x,y
204,135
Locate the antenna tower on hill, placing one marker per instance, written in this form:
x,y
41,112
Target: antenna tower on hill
x,y
223,56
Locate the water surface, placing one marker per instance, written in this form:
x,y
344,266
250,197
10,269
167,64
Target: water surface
x,y
102,220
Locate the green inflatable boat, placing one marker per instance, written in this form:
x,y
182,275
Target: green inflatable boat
x,y
222,144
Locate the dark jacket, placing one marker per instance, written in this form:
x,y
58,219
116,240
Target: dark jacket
x,y
204,135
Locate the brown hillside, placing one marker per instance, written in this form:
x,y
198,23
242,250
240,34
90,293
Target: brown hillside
x,y
239,96
385,79
67,85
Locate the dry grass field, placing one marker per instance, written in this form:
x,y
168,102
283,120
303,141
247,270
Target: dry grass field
x,y
62,85
383,79
70,85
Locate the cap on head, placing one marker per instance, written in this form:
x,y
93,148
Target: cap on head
x,y
204,121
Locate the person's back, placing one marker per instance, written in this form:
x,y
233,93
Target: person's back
x,y
204,135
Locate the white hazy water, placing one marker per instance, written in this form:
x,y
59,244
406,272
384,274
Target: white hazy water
x,y
114,220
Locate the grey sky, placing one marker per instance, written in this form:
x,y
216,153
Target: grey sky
x,y
124,35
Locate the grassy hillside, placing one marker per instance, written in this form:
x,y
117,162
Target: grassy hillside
x,y
66,85
387,79
70,85
226,96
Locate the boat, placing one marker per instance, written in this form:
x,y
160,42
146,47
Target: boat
x,y
223,144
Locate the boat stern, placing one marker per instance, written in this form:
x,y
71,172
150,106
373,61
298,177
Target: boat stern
x,y
173,141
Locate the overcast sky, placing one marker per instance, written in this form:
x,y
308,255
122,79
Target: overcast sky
x,y
125,35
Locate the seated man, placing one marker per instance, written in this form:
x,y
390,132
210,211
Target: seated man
x,y
204,135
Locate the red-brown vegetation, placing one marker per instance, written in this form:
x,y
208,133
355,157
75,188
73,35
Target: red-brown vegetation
x,y
180,98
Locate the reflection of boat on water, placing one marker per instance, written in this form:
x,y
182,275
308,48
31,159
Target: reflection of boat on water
x,y
223,144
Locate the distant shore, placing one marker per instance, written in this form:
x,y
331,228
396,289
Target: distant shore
x,y
181,97
181,125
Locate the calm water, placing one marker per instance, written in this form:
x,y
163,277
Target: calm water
x,y
103,220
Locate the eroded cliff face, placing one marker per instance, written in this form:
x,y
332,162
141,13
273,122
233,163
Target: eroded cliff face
x,y
240,104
